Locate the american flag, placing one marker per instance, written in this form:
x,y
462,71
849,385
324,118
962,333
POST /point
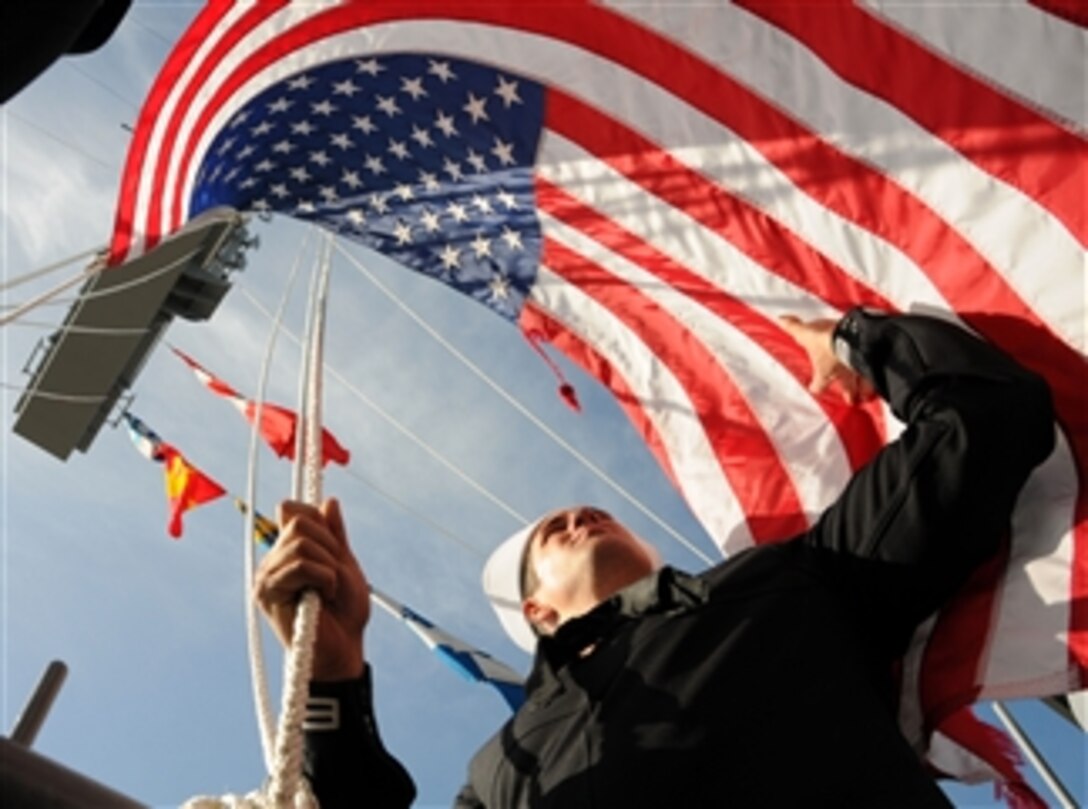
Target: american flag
x,y
648,186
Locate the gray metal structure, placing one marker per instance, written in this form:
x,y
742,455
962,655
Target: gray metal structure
x,y
84,367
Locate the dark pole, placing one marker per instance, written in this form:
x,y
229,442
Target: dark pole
x,y
30,722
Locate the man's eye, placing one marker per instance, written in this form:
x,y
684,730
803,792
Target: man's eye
x,y
552,527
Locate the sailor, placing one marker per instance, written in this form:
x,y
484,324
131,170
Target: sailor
x,y
765,681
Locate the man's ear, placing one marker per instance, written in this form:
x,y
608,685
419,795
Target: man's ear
x,y
540,615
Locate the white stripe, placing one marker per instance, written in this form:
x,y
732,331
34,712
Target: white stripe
x,y
799,430
860,253
663,400
959,762
272,27
145,190
673,232
1027,51
1031,627
1015,234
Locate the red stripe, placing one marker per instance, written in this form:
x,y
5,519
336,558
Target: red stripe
x,y
1074,11
1000,135
860,430
1078,624
745,454
757,235
535,321
171,70
246,23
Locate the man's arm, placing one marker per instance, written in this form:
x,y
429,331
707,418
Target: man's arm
x,y
345,760
933,505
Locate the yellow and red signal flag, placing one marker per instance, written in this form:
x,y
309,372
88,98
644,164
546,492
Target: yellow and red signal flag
x,y
277,424
186,486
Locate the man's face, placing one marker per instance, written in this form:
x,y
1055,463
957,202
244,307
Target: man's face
x,y
580,556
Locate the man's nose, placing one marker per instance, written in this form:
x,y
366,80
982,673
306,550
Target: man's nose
x,y
582,516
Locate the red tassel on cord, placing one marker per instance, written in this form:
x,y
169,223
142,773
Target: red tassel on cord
x,y
566,390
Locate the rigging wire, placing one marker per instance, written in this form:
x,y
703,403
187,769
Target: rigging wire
x,y
72,398
56,265
95,80
397,425
522,409
93,331
62,141
413,512
47,296
28,306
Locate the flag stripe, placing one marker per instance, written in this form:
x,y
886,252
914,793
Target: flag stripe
x,y
774,247
535,321
733,430
707,490
600,187
197,83
860,439
1072,11
135,180
251,33
701,338
768,365
1044,509
1003,137
1008,229
967,35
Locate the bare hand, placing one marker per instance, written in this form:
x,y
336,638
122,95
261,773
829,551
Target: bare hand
x,y
827,371
312,552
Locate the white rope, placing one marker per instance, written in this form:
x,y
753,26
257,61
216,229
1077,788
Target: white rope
x,y
57,265
258,675
509,398
287,777
46,297
287,787
32,304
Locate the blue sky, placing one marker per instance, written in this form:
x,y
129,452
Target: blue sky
x,y
158,701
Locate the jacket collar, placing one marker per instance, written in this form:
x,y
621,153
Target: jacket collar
x,y
666,590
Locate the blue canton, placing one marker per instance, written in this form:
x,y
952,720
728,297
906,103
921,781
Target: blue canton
x,y
426,160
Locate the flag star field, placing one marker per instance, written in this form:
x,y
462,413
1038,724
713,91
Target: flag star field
x,y
427,160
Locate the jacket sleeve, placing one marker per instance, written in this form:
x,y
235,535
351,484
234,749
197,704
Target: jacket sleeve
x,y
345,760
935,504
468,799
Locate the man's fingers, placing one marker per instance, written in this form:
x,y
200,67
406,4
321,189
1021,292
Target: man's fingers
x,y
294,508
330,510
311,527
282,583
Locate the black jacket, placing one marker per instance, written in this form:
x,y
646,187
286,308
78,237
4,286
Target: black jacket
x,y
765,681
